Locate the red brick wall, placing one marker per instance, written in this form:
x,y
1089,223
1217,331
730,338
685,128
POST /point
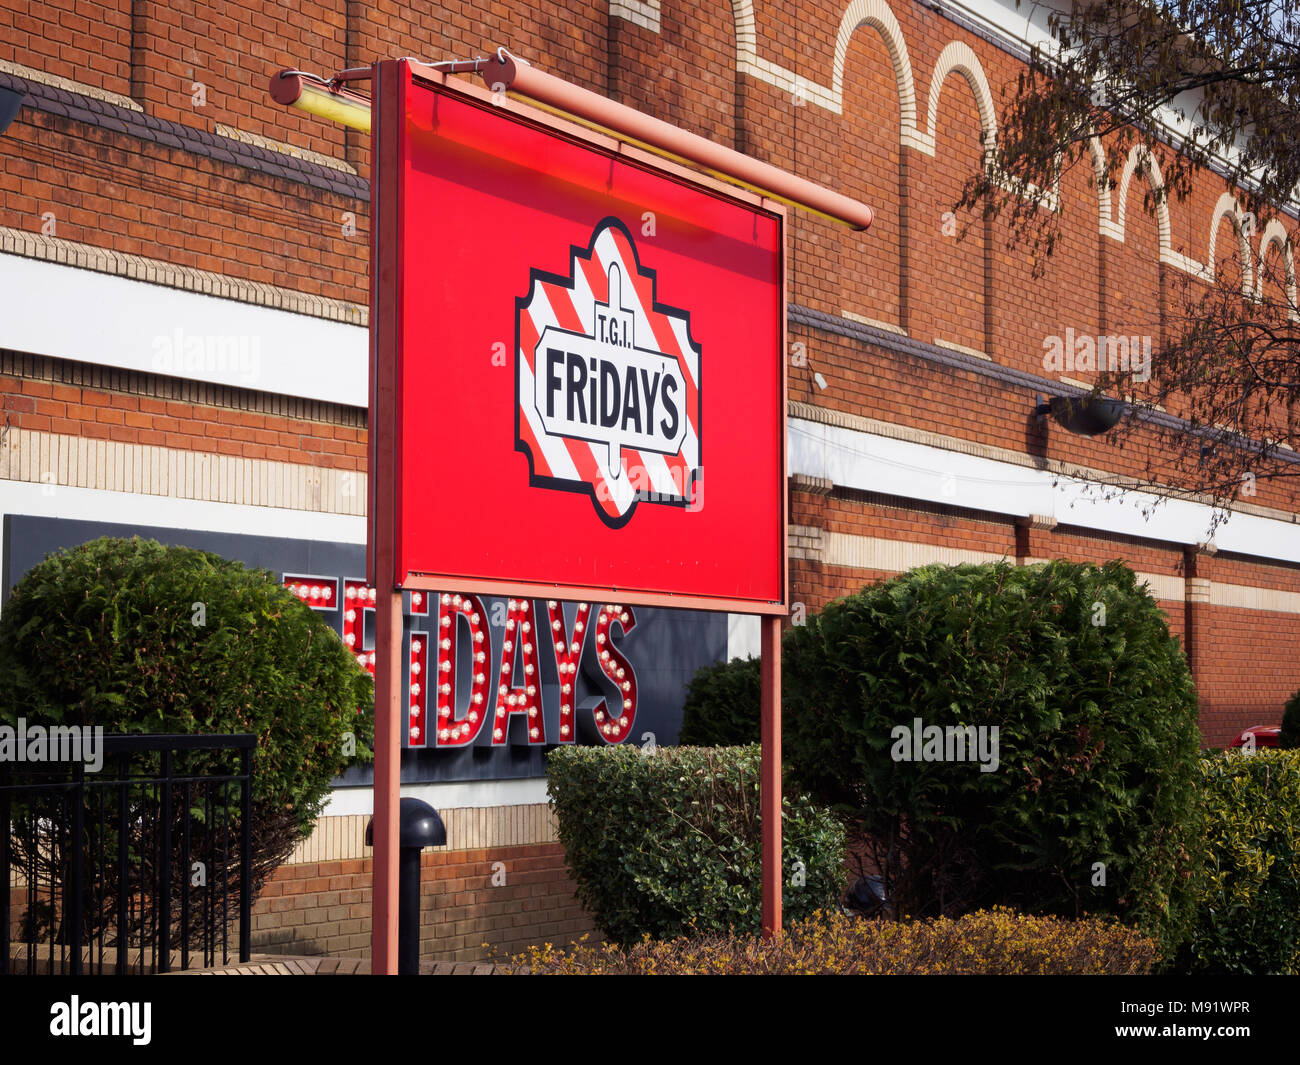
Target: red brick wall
x,y
46,406
685,73
324,908
86,40
141,198
1247,666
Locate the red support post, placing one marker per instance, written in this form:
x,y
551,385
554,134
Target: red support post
x,y
388,744
386,104
770,795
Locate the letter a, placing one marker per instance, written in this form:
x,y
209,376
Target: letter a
x,y
902,749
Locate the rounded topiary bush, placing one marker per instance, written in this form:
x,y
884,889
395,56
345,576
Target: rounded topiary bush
x,y
669,843
722,705
137,637
1088,802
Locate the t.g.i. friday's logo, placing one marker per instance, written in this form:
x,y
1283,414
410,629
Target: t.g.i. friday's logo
x,y
608,382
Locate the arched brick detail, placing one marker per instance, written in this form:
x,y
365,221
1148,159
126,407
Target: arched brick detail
x,y
878,15
1229,206
1140,156
957,57
1275,233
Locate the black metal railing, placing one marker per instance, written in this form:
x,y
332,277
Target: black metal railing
x,y
131,868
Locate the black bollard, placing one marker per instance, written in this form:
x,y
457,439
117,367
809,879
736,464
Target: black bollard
x,y
419,826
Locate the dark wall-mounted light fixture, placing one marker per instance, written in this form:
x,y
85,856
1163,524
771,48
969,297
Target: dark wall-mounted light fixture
x,y
10,101
1088,415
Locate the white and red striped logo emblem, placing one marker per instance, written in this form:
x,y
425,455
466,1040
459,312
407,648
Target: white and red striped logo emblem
x,y
608,383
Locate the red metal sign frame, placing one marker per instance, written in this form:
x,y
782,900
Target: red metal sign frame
x,y
631,551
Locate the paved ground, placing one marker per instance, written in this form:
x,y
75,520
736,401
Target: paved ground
x,y
298,965
258,965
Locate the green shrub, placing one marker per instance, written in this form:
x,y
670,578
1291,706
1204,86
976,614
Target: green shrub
x,y
667,843
993,943
722,705
1289,735
141,638
1098,742
1249,916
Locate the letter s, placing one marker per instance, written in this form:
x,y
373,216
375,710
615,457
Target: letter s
x,y
669,430
614,718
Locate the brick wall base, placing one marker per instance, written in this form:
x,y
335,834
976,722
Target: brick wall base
x,y
472,903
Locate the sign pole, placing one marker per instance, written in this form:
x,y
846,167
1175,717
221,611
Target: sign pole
x,y
388,741
770,794
382,519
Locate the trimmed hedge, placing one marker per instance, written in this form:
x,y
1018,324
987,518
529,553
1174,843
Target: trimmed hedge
x,y
1249,917
1093,805
722,705
669,843
994,943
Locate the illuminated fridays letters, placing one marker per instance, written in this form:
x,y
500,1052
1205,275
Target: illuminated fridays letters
x,y
521,698
568,650
457,615
450,667
613,719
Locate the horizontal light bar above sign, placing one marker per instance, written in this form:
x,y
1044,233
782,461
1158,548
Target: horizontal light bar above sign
x,y
503,73
294,89
506,74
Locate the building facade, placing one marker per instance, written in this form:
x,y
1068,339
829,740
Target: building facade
x,y
183,350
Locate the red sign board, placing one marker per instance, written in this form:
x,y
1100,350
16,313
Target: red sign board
x,y
587,358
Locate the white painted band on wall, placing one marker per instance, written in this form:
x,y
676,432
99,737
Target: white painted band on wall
x,y
88,504
69,313
349,801
54,249
872,463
